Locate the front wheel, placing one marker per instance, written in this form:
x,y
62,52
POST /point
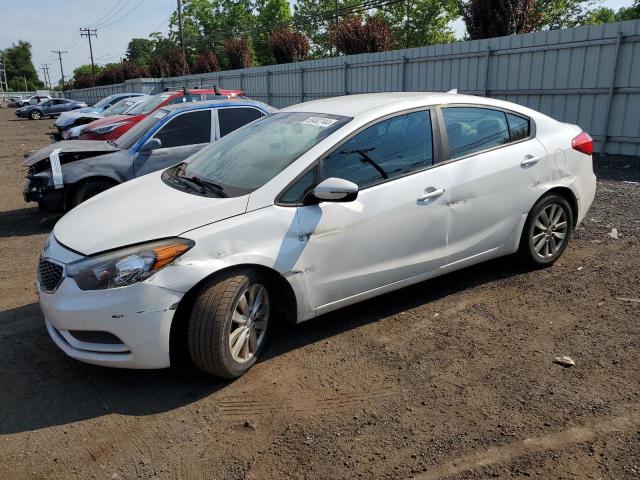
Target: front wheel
x,y
89,189
35,115
229,323
547,231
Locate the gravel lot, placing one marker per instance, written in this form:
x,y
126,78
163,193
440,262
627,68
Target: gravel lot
x,y
451,378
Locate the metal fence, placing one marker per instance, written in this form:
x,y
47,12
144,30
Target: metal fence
x,y
589,76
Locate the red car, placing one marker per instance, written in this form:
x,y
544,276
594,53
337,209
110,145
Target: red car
x,y
110,128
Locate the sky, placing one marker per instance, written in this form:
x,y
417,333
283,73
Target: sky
x,y
50,25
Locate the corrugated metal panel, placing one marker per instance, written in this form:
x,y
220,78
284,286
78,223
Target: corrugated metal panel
x,y
566,74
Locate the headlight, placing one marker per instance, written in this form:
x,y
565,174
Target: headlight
x,y
126,266
107,128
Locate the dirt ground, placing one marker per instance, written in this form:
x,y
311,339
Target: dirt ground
x,y
451,378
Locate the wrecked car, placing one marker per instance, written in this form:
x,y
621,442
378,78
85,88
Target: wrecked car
x,y
77,125
318,206
49,108
65,174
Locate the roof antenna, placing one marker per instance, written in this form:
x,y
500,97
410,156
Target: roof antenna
x,y
185,91
453,91
216,89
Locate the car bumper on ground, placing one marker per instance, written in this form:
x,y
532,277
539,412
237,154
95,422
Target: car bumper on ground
x,y
124,327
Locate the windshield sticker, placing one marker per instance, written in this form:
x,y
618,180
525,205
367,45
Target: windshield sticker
x,y
319,122
160,114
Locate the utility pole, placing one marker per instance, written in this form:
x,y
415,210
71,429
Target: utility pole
x,y
45,72
4,86
60,52
88,32
181,27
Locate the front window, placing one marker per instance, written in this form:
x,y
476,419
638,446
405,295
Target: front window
x,y
190,128
246,159
149,105
129,138
104,102
118,107
390,149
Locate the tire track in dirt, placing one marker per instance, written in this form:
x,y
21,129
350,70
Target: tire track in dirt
x,y
552,441
262,405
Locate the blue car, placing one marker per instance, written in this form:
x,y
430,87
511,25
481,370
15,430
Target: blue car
x,y
65,174
65,121
49,108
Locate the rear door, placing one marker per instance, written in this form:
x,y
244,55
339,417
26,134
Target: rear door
x,y
232,118
395,229
180,137
494,159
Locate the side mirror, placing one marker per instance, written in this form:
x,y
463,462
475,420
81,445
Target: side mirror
x,y
152,144
336,190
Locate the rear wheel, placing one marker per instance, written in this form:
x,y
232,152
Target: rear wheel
x,y
87,190
35,115
547,231
229,323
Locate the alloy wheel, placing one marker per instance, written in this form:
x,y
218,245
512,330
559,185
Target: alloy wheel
x,y
249,322
549,230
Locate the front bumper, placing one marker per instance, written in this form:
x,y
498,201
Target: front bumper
x,y
46,196
139,316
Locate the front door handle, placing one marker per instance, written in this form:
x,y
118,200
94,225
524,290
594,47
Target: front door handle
x,y
432,194
529,160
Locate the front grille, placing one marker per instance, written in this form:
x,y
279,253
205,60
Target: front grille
x,y
49,275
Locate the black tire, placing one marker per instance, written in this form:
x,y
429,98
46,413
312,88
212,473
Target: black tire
x,y
87,190
210,323
542,247
35,115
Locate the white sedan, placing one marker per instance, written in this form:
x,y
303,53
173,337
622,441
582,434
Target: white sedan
x,y
321,205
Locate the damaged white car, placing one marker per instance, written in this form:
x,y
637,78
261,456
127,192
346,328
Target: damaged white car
x,y
304,211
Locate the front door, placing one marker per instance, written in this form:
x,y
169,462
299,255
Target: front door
x,y
395,229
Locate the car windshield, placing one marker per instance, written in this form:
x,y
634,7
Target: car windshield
x,y
149,105
103,102
129,138
249,157
119,107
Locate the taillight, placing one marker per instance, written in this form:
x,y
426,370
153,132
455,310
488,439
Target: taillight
x,y
583,143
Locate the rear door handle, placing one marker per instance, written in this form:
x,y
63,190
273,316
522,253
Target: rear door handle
x,y
530,160
432,194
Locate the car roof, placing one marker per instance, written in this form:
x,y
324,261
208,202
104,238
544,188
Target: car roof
x,y
222,102
356,105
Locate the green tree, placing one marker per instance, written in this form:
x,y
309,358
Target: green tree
x,y
139,51
314,19
420,22
272,15
19,67
85,69
208,23
629,13
555,14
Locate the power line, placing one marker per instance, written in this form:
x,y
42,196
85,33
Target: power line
x,y
104,17
126,14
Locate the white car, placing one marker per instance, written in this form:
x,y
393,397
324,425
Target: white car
x,y
321,205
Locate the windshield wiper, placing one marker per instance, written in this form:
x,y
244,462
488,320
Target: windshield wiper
x,y
204,185
112,142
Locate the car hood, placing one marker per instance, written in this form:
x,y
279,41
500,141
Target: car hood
x,y
107,120
137,211
69,146
67,118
